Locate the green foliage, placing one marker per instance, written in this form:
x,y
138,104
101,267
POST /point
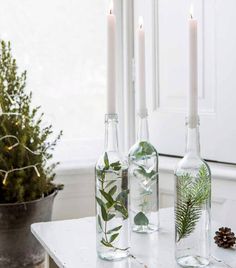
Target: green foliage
x,y
150,177
149,174
23,121
109,204
141,219
191,196
145,149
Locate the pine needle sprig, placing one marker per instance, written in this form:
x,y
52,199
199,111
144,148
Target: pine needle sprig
x,y
192,193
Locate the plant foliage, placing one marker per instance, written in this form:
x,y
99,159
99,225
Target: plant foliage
x,y
192,193
147,176
27,149
110,202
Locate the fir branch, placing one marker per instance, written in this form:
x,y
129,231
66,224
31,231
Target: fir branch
x,y
192,193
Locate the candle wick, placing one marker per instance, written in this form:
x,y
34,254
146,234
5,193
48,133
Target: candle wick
x,y
110,12
191,16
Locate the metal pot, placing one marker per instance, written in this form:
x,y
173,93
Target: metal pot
x,y
18,247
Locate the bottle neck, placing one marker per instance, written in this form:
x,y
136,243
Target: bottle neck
x,y
143,131
193,140
111,133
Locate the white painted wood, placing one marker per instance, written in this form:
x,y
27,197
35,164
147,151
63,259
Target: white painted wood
x,y
129,100
228,213
77,198
118,9
167,74
72,244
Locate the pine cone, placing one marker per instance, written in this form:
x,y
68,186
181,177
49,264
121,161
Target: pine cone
x,y
225,238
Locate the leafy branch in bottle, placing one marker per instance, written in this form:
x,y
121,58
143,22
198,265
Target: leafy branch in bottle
x,y
150,176
110,206
191,197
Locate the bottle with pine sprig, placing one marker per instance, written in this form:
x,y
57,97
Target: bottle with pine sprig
x,y
192,203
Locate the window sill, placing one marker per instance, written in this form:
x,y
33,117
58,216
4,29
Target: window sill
x,y
166,165
218,170
76,167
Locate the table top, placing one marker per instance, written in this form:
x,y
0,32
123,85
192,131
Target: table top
x,y
72,244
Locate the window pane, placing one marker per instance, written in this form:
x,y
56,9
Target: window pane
x,y
62,44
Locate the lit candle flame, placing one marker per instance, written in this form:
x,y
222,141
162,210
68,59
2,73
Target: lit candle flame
x,y
191,12
111,7
140,22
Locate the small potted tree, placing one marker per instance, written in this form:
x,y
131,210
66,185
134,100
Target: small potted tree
x,y
27,190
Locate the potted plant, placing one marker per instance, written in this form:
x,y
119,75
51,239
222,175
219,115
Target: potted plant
x,y
27,190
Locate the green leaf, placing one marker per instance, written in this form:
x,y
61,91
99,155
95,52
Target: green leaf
x,y
110,183
122,196
114,229
101,175
113,237
104,213
99,201
106,161
107,196
146,173
106,244
99,172
110,216
141,219
116,165
99,221
112,190
147,148
122,209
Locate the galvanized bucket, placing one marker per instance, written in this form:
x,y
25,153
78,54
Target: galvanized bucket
x,y
18,247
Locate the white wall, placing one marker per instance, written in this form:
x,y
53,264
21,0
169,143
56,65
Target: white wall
x,y
77,198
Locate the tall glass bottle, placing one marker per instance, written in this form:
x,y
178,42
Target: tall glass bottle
x,y
143,179
192,205
112,197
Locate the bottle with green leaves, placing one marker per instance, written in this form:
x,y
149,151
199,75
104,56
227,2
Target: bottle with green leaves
x,y
112,194
192,204
143,179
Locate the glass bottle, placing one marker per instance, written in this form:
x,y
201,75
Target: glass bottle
x,y
192,204
143,179
112,218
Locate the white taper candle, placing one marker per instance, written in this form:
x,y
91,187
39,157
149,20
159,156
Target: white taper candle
x,y
141,68
193,73
111,61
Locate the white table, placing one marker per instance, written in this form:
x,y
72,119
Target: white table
x,y
71,244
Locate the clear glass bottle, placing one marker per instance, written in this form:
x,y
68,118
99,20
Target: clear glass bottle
x,y
112,194
143,179
192,204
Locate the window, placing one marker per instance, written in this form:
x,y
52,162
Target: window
x,y
62,45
